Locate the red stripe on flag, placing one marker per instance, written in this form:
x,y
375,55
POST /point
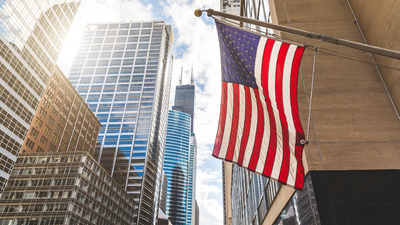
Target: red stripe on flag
x,y
246,128
283,175
300,170
221,123
269,162
235,120
295,113
259,134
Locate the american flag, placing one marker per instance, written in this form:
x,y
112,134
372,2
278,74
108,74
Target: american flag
x,y
259,126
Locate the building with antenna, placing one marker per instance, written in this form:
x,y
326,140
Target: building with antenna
x,y
185,97
180,156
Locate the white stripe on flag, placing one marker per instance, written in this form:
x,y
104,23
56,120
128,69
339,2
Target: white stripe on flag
x,y
266,136
276,169
228,121
288,112
242,116
253,128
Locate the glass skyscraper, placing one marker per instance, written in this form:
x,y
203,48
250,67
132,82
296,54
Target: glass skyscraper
x,y
32,34
176,167
123,71
181,193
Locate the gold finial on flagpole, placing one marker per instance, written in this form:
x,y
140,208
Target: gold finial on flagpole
x,y
198,12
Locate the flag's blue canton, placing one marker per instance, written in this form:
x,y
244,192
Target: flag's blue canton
x,y
238,53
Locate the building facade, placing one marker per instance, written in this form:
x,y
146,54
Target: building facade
x,y
354,123
176,167
123,71
31,37
63,121
63,188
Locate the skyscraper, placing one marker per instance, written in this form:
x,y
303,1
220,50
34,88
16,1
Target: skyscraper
x,y
176,167
31,37
123,70
180,157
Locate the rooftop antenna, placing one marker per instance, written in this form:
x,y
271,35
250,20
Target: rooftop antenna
x,y
191,77
180,79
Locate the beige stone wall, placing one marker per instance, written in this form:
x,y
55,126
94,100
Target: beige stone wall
x,y
380,23
354,125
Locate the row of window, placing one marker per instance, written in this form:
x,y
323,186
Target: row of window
x,y
15,105
12,124
118,54
21,70
19,88
114,62
127,25
6,164
114,79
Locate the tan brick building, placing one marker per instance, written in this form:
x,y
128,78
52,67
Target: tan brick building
x,y
63,121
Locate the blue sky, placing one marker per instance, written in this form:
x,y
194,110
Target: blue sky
x,y
195,42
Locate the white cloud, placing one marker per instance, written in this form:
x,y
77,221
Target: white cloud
x,y
211,211
100,11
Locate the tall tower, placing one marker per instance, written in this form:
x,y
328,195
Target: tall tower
x,y
180,157
32,34
123,70
176,167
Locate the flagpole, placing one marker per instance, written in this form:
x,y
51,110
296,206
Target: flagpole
x,y
321,37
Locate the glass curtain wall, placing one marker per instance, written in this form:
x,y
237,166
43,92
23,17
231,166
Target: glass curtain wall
x,y
123,71
177,166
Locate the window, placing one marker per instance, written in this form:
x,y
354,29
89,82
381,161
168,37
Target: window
x,y
30,143
43,140
42,112
38,122
52,147
58,129
47,130
39,149
46,103
55,138
34,133
54,111
51,121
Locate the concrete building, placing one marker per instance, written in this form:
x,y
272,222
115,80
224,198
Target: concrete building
x,y
63,121
31,37
352,163
123,70
63,188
